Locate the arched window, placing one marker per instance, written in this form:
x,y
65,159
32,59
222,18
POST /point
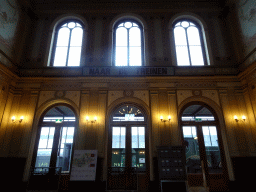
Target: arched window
x,y
189,44
66,50
55,140
128,43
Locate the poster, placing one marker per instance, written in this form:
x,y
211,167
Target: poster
x,y
84,165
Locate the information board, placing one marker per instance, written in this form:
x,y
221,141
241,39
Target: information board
x,y
84,165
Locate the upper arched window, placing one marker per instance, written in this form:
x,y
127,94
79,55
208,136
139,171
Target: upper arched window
x,y
128,43
189,44
67,44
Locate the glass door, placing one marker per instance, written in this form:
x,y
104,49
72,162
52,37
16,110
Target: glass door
x,y
128,147
55,147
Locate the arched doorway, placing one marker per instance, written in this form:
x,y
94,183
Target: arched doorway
x,y
127,147
54,140
204,149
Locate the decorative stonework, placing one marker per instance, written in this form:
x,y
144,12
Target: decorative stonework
x,y
196,84
44,96
142,95
61,86
128,86
183,94
114,95
211,94
197,92
128,93
73,96
59,94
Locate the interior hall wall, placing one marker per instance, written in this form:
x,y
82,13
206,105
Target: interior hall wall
x,y
14,25
98,40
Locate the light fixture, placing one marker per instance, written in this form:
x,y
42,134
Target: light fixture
x,y
162,119
21,119
236,118
93,121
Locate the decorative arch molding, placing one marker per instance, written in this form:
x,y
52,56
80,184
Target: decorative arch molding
x,y
202,100
204,28
133,16
40,112
127,100
217,112
52,29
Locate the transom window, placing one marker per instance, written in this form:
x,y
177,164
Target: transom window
x,y
68,44
128,44
189,44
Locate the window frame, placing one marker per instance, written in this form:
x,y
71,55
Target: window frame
x,y
202,41
142,41
55,38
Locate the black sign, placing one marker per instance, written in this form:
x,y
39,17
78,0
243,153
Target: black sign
x,y
128,71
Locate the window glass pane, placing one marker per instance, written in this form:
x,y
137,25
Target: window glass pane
x,y
127,24
135,37
180,36
71,25
63,37
74,56
184,24
45,147
193,36
121,36
118,146
76,37
65,148
212,149
196,55
193,162
118,137
138,147
135,56
182,55
121,56
60,56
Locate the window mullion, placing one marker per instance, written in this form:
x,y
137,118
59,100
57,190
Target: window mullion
x,y
189,56
68,46
128,48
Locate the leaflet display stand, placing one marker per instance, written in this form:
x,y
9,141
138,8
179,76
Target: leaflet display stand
x,y
172,170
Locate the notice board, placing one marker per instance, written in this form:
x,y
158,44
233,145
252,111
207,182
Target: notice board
x,y
84,165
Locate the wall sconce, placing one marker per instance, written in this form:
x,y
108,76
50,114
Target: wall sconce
x,y
236,118
161,118
95,119
13,119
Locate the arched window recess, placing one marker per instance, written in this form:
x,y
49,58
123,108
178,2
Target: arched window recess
x,y
128,44
189,43
67,44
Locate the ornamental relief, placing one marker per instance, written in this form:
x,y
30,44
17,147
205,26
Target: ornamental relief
x,y
114,95
184,94
55,95
61,86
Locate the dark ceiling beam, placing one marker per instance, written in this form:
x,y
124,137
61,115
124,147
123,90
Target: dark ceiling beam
x,y
60,111
197,111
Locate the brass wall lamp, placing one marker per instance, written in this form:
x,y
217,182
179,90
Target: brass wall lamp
x,y
236,118
20,120
93,121
163,120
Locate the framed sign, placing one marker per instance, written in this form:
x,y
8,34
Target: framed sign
x,y
84,165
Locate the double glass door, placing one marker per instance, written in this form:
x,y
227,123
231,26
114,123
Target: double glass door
x,y
202,146
128,147
55,147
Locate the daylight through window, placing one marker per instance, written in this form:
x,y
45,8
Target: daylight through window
x,y
68,44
